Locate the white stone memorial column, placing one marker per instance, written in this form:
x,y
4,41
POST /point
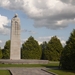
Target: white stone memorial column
x,y
15,52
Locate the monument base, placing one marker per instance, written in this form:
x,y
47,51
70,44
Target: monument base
x,y
21,61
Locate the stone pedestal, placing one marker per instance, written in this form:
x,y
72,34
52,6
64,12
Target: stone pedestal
x,y
22,61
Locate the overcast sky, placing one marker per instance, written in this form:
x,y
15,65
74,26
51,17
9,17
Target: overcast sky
x,y
41,19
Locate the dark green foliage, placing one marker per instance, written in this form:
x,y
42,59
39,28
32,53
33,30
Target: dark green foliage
x,y
31,49
6,50
53,49
68,55
0,53
44,47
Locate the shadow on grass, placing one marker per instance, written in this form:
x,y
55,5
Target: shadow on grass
x,y
67,70
63,71
51,65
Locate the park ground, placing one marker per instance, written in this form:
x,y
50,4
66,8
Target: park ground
x,y
51,67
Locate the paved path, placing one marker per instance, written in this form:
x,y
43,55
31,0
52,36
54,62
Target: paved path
x,y
27,71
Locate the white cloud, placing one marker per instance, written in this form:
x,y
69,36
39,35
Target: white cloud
x,y
42,39
47,38
69,1
4,22
54,14
39,42
23,40
0,41
63,42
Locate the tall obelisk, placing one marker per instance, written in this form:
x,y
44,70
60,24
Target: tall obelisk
x,y
15,53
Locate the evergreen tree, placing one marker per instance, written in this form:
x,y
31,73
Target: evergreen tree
x,y
31,49
43,47
6,50
0,53
53,50
68,55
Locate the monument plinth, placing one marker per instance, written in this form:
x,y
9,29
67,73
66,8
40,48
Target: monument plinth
x,y
15,52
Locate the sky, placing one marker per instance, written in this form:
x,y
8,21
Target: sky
x,y
41,19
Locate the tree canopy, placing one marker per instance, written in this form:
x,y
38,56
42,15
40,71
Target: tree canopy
x,y
53,49
68,54
31,49
0,53
6,50
43,47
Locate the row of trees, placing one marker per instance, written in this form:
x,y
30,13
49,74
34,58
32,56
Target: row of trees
x,y
32,50
52,50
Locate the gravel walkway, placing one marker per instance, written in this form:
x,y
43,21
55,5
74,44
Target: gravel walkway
x,y
27,71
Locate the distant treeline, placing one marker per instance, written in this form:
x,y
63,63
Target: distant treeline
x,y
53,51
32,50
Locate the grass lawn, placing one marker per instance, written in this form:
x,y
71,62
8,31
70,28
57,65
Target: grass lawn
x,y
62,72
30,65
4,72
50,65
